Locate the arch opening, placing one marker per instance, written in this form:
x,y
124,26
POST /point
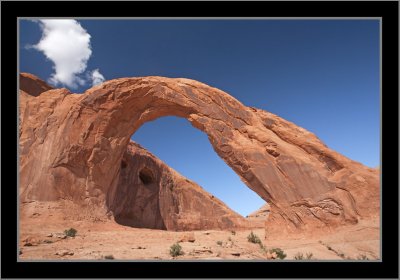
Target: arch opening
x,y
188,151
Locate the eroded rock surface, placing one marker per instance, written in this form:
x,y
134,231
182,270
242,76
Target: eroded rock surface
x,y
72,145
150,194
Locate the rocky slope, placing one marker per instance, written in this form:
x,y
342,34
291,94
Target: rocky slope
x,y
259,217
72,146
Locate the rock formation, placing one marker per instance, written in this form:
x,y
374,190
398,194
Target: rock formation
x,y
149,194
260,216
72,146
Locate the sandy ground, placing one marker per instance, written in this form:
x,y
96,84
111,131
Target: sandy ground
x,y
42,225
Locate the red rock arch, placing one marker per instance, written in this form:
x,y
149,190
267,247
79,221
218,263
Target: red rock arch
x,y
78,142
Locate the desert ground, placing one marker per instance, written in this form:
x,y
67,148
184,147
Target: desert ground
x,y
42,237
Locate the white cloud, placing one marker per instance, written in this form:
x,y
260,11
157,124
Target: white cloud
x,y
67,45
97,77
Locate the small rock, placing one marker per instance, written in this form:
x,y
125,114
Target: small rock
x,y
64,253
187,237
49,235
272,152
30,241
235,254
61,236
228,244
202,251
20,252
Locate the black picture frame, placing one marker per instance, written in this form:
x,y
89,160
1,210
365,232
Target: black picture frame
x,y
387,268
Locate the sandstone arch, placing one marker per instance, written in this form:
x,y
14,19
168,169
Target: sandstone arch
x,y
78,141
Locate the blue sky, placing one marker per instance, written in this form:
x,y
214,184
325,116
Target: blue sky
x,y
322,75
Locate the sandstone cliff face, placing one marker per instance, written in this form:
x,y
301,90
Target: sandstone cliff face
x,y
71,146
149,194
353,191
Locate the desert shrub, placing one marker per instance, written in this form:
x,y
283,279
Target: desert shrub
x,y
300,256
175,250
219,242
362,257
253,238
70,232
229,238
109,257
279,253
233,232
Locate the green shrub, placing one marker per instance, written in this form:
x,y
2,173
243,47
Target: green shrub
x,y
279,253
70,232
175,250
253,238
